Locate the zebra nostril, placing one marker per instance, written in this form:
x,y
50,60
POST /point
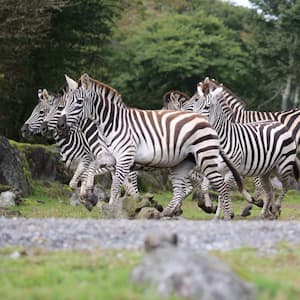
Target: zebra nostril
x,y
25,129
44,128
61,124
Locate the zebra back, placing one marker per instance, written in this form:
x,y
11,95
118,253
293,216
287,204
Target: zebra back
x,y
290,118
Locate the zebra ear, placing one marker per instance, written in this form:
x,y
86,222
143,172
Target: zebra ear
x,y
200,90
85,81
217,92
45,95
72,84
40,94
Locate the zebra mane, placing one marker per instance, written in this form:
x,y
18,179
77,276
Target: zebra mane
x,y
102,87
214,83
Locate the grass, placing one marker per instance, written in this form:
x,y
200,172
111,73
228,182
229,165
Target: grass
x,y
276,276
104,274
52,200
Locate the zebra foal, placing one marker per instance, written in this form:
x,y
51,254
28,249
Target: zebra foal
x,y
164,139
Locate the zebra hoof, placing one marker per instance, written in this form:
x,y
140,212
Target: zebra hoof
x,y
159,207
247,211
258,202
167,212
207,209
89,206
178,212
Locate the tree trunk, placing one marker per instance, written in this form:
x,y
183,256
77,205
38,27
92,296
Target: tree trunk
x,y
296,96
286,93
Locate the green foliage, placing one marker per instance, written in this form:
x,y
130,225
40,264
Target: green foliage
x,y
176,51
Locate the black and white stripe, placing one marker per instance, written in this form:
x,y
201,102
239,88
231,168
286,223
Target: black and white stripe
x,y
176,140
256,149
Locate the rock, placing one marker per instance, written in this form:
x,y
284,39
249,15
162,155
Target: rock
x,y
148,213
7,199
100,193
14,169
143,207
44,162
74,199
188,274
155,241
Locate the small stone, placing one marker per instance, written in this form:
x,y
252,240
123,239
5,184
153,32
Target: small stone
x,y
7,199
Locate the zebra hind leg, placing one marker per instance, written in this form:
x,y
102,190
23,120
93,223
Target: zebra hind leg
x,y
266,212
180,178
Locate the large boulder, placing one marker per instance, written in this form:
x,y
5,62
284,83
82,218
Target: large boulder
x,y
44,162
14,169
172,270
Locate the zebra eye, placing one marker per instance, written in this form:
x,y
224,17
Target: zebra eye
x,y
79,101
60,108
42,112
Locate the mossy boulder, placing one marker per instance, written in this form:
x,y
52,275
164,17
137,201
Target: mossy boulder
x,y
44,162
14,168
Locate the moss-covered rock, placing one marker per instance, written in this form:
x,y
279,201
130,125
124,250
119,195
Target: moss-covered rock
x,y
44,161
14,168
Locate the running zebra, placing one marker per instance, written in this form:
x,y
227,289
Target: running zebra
x,y
74,149
164,139
83,144
256,149
290,118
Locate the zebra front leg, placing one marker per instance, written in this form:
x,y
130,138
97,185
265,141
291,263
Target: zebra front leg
x,y
81,168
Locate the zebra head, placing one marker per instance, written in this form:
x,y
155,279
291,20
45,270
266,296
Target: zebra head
x,y
75,99
49,125
33,124
50,122
206,99
174,100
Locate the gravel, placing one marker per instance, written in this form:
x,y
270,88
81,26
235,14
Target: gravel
x,y
54,234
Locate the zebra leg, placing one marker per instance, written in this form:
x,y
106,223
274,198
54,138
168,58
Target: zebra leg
x,y
269,196
131,185
224,201
259,191
180,178
285,183
81,168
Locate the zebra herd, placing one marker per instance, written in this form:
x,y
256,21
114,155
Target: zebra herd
x,y
208,139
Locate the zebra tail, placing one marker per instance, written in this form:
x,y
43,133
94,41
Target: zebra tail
x,y
296,168
233,170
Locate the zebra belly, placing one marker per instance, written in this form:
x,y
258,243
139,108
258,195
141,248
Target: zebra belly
x,y
157,157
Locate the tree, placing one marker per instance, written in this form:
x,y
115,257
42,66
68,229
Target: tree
x,y
43,39
177,51
278,43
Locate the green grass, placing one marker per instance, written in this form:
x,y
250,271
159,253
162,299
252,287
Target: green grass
x,y
276,276
52,200
104,274
70,275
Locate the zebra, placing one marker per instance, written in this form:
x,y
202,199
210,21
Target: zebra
x,y
83,145
290,118
256,149
33,124
175,100
71,155
176,140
